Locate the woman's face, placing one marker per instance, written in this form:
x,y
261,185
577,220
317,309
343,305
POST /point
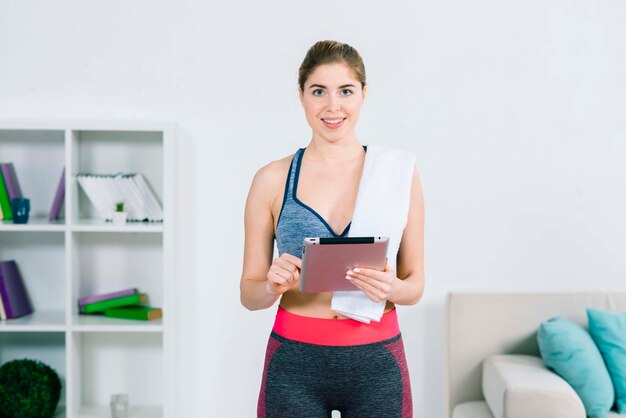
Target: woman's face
x,y
332,100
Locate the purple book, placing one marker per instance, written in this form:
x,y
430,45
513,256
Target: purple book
x,y
10,179
58,198
13,292
106,296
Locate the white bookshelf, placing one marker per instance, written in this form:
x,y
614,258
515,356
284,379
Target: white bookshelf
x,y
81,255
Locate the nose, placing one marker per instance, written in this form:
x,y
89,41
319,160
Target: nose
x,y
334,103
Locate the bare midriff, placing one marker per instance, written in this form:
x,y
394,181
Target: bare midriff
x,y
315,305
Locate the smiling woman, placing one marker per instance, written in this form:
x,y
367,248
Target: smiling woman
x,y
333,104
332,88
318,359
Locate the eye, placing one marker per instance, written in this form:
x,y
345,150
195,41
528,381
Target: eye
x,y
318,92
346,92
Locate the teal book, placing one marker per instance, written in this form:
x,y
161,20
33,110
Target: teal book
x,y
144,313
98,307
5,203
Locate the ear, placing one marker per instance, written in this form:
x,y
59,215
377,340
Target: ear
x,y
300,94
364,91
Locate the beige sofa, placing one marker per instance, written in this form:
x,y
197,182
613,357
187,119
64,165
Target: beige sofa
x,y
493,368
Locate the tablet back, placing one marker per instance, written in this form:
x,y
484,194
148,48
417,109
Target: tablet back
x,y
325,261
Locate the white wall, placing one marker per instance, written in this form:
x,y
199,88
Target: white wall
x,y
515,111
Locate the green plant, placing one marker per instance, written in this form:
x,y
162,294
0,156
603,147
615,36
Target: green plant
x,y
119,207
28,389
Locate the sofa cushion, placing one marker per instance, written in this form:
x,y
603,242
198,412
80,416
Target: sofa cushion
x,y
474,409
608,330
517,386
568,349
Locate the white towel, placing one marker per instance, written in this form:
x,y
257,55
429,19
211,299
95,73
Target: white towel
x,y
382,208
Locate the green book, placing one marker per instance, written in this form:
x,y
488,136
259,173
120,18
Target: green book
x,y
135,299
135,312
5,203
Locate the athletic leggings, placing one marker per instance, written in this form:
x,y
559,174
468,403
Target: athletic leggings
x,y
314,366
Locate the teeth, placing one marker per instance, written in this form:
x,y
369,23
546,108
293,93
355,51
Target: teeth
x,y
332,120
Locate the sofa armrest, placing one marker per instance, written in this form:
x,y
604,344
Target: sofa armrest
x,y
520,386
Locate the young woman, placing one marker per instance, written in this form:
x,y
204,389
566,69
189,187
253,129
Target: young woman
x,y
318,360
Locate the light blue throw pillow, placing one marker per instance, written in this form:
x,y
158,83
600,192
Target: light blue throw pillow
x,y
568,349
608,330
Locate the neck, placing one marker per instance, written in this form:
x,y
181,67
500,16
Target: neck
x,y
344,150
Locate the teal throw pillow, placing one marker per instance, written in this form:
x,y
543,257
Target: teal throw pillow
x,y
567,348
608,330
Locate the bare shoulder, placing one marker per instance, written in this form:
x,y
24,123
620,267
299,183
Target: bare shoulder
x,y
269,181
273,174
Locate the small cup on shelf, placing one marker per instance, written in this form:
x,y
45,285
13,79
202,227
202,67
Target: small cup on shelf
x,y
119,216
21,209
119,405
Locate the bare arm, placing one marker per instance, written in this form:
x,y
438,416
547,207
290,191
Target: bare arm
x,y
264,280
410,260
259,244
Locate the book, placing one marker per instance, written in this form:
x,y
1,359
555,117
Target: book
x,y
144,313
87,183
5,202
13,292
134,299
135,198
10,180
3,313
154,206
106,296
105,190
59,196
108,196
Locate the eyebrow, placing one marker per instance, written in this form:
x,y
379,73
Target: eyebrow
x,y
323,87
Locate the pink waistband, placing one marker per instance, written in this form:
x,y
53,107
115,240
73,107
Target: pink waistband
x,y
337,332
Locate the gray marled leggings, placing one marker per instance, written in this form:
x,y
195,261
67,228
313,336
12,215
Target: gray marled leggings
x,y
302,380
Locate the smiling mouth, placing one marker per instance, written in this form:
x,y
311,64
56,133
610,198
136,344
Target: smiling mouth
x,y
333,121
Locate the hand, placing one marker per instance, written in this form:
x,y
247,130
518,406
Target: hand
x,y
284,273
377,285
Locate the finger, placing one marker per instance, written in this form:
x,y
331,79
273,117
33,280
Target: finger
x,y
295,283
288,275
365,272
277,279
284,271
286,264
292,259
282,274
370,291
281,264
370,282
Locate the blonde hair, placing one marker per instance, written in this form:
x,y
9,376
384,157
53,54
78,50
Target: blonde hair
x,y
330,52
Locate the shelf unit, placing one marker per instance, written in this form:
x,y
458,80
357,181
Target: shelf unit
x,y
80,255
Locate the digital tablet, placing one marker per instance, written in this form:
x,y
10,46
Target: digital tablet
x,y
325,261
